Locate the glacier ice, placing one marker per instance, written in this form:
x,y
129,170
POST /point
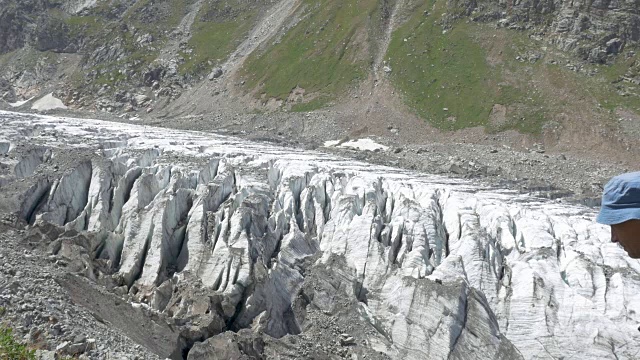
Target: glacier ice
x,y
444,268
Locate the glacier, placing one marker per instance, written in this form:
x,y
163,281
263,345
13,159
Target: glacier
x,y
229,232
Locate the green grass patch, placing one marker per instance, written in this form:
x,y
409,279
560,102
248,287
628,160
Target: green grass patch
x,y
135,8
101,26
324,53
528,112
28,58
85,25
219,28
445,77
11,349
76,26
111,72
309,106
609,88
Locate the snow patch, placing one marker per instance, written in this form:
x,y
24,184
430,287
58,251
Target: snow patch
x,y
20,103
48,102
331,143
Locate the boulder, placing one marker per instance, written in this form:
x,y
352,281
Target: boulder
x,y
141,100
216,73
614,46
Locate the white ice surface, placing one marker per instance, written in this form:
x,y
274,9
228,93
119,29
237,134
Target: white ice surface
x,y
331,143
555,285
20,103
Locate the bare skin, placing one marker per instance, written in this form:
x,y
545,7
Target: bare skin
x,y
627,234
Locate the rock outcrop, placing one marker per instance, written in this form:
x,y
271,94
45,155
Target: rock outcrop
x,y
591,30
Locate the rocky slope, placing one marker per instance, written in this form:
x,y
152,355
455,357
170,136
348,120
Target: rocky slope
x,y
233,249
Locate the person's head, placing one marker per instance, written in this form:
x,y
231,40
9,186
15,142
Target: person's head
x,y
621,210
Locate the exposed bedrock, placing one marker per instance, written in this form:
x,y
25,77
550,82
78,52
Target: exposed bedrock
x,y
236,244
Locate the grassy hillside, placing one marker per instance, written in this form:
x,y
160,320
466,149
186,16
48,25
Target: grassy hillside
x,y
451,71
457,76
446,75
218,29
325,53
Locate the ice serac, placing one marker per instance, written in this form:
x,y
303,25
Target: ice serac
x,y
5,146
68,196
29,163
427,318
32,200
137,224
205,225
221,234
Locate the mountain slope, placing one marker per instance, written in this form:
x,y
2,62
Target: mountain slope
x,y
328,48
557,72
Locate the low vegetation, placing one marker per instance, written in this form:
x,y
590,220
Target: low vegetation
x,y
218,29
157,18
85,25
10,349
445,75
324,53
618,93
455,76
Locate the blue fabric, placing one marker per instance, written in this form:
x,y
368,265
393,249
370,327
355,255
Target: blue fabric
x,y
621,199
